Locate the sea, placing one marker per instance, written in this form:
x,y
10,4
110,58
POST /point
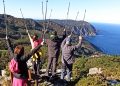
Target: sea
x,y
107,38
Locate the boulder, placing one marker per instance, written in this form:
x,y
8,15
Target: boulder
x,y
94,70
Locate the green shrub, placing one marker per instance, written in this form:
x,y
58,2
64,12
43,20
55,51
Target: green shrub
x,y
110,66
96,80
4,59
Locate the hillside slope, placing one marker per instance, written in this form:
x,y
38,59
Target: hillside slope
x,y
17,30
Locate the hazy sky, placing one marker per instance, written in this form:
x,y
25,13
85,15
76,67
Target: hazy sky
x,y
97,10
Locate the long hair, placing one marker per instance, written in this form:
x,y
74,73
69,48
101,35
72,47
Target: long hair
x,y
35,37
19,50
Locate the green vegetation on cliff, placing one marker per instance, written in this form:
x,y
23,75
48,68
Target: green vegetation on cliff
x,y
110,67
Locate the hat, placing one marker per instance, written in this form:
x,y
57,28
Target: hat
x,y
54,33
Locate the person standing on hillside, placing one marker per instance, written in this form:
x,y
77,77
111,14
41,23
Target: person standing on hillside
x,y
20,77
36,58
54,44
67,56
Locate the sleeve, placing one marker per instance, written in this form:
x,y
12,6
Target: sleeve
x,y
40,40
78,45
63,42
31,40
64,36
47,41
28,56
10,48
43,41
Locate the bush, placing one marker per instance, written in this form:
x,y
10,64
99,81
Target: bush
x,y
110,66
96,80
4,59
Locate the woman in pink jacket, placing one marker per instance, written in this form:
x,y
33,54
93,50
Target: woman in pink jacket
x,y
36,61
20,77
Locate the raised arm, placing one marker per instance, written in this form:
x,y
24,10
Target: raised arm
x,y
31,41
63,43
10,48
64,35
28,56
79,43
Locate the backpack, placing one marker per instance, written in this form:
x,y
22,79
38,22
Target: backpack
x,y
13,66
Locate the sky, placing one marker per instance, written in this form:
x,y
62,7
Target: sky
x,y
105,11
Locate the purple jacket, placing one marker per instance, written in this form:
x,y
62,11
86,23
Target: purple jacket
x,y
68,50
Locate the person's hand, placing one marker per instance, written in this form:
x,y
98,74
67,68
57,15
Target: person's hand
x,y
46,31
43,42
80,37
69,36
27,30
6,37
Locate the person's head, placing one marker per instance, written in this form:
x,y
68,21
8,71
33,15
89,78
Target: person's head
x,y
19,50
35,37
53,35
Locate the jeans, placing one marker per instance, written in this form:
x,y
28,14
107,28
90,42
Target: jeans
x,y
66,68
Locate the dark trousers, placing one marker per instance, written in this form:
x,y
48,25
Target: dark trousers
x,y
66,68
36,67
52,64
37,64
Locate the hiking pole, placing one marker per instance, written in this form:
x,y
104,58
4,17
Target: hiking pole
x,y
49,19
68,13
5,19
50,13
24,20
84,15
43,15
73,28
46,10
76,15
83,21
6,28
67,16
45,18
43,21
68,10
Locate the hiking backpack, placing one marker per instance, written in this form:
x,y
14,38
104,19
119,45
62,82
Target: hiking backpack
x,y
13,66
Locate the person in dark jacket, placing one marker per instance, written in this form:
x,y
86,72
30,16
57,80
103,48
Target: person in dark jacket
x,y
20,78
67,56
54,44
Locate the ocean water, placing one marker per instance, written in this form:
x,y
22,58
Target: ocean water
x,y
107,38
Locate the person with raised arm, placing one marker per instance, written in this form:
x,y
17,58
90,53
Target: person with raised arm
x,y
36,58
20,77
67,56
54,44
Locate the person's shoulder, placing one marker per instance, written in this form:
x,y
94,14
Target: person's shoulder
x,y
47,40
40,39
